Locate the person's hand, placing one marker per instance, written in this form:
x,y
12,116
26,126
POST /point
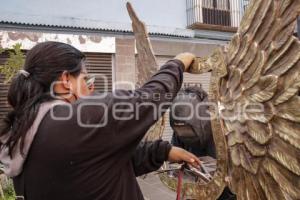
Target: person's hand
x,y
187,59
180,155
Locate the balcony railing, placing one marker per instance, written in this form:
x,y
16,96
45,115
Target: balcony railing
x,y
222,15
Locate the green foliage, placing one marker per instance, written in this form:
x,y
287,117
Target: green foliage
x,y
14,62
9,192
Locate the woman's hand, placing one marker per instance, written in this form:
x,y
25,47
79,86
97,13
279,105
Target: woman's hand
x,y
187,59
180,155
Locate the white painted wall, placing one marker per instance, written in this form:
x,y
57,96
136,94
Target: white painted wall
x,y
105,45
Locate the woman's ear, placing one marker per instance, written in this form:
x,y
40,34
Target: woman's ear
x,y
65,80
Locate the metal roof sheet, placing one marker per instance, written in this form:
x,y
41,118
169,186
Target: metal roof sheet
x,y
76,23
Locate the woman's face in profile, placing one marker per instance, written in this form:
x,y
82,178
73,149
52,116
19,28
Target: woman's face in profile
x,y
80,85
75,87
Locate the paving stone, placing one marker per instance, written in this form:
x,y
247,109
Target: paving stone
x,y
153,189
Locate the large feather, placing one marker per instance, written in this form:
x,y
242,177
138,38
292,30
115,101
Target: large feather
x,y
146,65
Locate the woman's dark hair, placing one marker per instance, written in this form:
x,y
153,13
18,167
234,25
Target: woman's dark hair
x,y
45,62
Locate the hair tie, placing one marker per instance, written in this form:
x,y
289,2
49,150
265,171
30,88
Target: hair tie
x,y
24,73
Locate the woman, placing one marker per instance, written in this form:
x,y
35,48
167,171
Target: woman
x,y
61,142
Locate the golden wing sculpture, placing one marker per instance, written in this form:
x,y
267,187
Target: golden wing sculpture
x,y
256,117
146,66
255,84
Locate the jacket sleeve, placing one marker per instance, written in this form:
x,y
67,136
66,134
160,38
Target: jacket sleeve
x,y
148,104
150,156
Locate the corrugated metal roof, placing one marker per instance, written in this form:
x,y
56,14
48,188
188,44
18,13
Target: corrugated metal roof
x,y
87,24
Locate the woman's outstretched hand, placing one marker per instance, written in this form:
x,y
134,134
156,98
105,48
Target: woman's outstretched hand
x,y
180,155
187,59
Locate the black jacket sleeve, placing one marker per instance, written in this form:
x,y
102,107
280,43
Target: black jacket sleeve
x,y
149,103
150,156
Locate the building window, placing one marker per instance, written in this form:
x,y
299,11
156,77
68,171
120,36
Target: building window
x,y
216,12
217,4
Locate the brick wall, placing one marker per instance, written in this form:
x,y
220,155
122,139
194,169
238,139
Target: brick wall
x,y
125,62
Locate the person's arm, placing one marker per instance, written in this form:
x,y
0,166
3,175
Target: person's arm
x,y
126,116
134,112
150,156
151,100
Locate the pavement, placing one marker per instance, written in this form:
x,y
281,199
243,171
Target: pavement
x,y
153,189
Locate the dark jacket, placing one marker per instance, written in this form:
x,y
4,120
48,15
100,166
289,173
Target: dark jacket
x,y
69,161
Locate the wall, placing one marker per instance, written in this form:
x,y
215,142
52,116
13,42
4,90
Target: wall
x,y
83,42
125,63
164,49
